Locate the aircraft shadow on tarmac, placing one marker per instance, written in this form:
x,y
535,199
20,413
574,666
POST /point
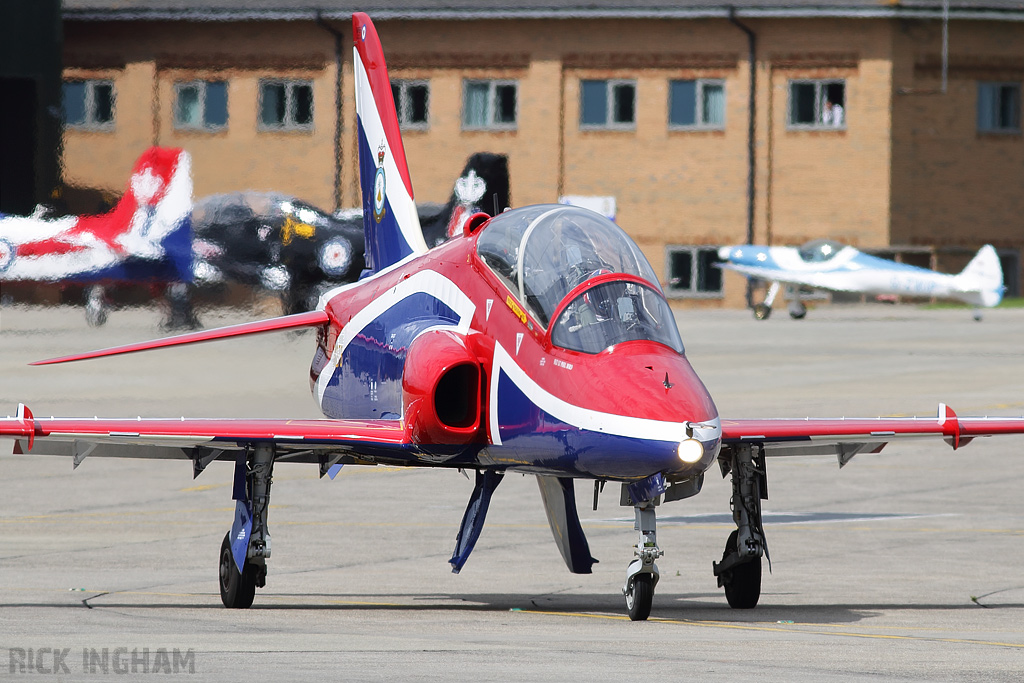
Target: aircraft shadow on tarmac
x,y
688,607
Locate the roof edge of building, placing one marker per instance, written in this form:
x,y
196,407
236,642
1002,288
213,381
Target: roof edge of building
x,y
707,12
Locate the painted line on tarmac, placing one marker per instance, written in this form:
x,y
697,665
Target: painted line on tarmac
x,y
798,628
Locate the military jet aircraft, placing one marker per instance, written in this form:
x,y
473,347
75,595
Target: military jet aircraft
x,y
538,341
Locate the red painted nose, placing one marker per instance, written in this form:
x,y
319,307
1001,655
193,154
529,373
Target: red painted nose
x,y
644,379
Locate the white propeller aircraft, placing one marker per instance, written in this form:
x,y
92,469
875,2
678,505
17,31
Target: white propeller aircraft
x,y
824,264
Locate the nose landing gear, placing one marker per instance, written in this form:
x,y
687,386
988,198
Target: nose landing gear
x,y
642,574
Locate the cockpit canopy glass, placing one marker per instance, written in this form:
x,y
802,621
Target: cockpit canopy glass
x,y
817,251
542,252
614,312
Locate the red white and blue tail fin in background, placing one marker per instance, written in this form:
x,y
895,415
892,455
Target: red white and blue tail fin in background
x,y
147,236
390,221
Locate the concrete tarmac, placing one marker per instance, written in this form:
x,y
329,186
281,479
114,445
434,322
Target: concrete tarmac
x,y
904,566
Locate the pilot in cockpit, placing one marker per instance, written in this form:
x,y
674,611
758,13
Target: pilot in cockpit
x,y
581,260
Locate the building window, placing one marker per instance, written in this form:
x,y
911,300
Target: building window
x,y
999,107
489,104
607,104
817,104
88,104
693,272
696,104
412,101
286,105
201,105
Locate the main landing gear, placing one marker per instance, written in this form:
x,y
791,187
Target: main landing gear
x,y
246,548
796,306
642,574
739,572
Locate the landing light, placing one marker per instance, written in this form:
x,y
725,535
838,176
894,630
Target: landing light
x,y
690,451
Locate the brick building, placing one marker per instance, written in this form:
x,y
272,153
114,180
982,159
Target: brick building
x,y
864,129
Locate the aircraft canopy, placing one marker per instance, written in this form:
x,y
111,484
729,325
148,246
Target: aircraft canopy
x,y
818,251
613,312
542,252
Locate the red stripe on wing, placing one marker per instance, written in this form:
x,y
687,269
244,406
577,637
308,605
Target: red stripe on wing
x,y
122,430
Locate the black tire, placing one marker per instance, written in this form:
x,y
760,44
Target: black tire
x,y
743,589
640,596
798,313
237,590
762,311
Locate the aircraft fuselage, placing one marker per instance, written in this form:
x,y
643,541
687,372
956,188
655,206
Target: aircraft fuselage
x,y
488,386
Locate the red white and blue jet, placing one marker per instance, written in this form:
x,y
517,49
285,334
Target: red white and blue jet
x,y
146,237
538,341
829,265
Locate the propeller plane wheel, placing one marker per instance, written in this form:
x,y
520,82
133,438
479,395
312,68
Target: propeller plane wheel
x,y
797,310
237,590
640,596
762,311
743,588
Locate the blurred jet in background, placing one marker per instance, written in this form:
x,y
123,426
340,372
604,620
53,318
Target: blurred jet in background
x,y
146,238
279,244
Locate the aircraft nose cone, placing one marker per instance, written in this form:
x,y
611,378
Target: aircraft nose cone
x,y
648,381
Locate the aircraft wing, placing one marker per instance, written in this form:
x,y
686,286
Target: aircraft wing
x,y
814,279
203,440
845,437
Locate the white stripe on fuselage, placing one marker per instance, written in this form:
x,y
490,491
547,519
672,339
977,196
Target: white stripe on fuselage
x,y
424,282
584,418
326,297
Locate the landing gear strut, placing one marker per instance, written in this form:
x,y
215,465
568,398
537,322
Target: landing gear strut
x,y
642,574
739,572
96,306
246,548
764,309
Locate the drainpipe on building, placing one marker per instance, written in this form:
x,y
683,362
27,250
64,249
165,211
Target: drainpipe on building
x,y
945,60
337,106
751,132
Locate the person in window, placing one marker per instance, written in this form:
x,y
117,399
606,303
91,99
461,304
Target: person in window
x,y
832,114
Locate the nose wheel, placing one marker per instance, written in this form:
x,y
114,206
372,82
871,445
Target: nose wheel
x,y
640,596
642,573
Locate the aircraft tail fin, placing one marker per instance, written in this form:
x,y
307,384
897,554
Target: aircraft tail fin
x,y
482,187
981,281
390,221
152,220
